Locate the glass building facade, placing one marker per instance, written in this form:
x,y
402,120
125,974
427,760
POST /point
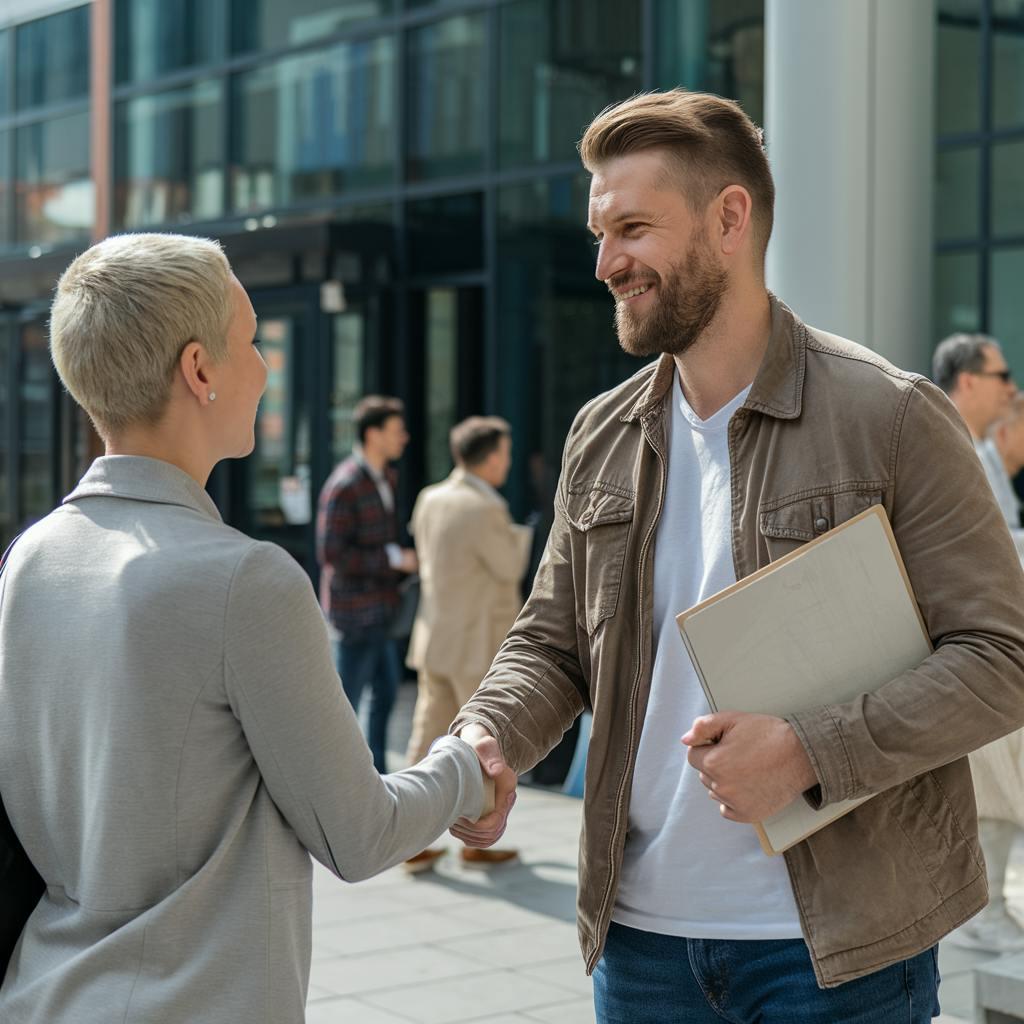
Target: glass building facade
x,y
396,184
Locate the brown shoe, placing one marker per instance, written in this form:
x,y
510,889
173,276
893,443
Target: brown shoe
x,y
473,858
424,860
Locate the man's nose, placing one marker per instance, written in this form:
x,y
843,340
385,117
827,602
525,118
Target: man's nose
x,y
611,260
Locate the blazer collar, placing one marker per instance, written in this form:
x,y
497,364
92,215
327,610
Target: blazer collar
x,y
778,386
143,479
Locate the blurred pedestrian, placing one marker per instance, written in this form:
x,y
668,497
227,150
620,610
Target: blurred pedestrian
x,y
362,563
472,558
173,740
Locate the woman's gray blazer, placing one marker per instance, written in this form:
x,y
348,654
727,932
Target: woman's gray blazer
x,y
173,740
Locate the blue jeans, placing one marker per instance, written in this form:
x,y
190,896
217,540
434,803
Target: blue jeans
x,y
372,662
645,978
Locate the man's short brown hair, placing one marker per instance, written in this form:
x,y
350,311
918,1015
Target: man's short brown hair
x,y
375,411
711,140
474,439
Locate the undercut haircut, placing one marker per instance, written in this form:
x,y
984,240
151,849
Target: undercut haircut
x,y
710,141
473,440
123,312
375,411
959,353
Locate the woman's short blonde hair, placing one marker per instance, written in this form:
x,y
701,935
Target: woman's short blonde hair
x,y
123,312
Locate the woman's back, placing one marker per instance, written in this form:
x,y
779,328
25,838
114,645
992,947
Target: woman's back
x,y
172,740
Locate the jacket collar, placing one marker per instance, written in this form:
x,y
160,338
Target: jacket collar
x,y
464,476
778,386
143,479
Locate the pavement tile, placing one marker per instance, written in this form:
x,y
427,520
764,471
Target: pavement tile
x,y
466,998
356,975
569,973
350,1011
540,944
580,1011
415,928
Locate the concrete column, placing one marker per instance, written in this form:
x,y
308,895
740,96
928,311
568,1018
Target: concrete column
x,y
849,122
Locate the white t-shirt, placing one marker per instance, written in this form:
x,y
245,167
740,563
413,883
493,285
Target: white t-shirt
x,y
688,871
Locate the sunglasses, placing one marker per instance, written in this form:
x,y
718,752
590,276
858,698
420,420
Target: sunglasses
x,y
1003,375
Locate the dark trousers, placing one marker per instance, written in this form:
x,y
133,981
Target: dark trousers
x,y
371,663
644,978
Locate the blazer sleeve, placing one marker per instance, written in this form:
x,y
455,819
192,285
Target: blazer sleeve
x,y
284,690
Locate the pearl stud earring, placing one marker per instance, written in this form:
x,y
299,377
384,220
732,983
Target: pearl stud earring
x,y
213,396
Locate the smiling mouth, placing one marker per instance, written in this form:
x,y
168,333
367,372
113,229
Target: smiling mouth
x,y
632,293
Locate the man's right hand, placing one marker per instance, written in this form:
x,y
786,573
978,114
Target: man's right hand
x,y
491,827
409,563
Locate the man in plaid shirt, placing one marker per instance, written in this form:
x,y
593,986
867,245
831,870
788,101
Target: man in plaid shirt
x,y
362,562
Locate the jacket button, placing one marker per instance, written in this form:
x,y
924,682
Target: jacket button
x,y
820,524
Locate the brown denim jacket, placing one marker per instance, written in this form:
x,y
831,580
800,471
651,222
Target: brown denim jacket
x,y
828,429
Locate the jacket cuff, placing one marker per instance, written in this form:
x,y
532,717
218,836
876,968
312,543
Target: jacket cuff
x,y
822,739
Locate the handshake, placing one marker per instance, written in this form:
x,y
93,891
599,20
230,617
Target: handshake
x,y
499,791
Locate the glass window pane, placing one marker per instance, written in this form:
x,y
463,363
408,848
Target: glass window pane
x,y
35,485
5,65
52,61
1008,189
5,226
347,381
6,526
442,353
315,125
268,24
955,293
1005,321
168,161
446,98
154,37
957,181
446,233
1008,65
53,191
958,70
558,70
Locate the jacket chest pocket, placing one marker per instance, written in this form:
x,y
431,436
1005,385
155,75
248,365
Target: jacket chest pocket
x,y
787,523
601,517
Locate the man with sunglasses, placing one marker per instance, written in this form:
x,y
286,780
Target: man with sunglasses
x,y
971,369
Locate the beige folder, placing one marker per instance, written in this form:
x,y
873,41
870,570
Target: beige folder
x,y
832,620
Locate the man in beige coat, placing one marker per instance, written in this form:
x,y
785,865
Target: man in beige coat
x,y
472,558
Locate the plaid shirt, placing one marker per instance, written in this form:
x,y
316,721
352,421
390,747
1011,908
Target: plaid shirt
x,y
358,587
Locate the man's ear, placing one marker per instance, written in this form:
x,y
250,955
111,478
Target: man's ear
x,y
735,208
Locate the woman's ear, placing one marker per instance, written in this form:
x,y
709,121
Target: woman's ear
x,y
193,364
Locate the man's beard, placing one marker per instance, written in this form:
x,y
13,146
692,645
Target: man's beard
x,y
681,313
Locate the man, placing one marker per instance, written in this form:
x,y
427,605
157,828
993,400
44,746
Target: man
x,y
472,558
749,435
971,369
362,562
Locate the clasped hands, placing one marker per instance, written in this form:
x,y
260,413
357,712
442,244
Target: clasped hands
x,y
499,779
752,765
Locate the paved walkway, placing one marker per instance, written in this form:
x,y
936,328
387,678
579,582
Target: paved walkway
x,y
462,945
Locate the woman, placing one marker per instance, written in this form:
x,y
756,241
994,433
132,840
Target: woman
x,y
173,739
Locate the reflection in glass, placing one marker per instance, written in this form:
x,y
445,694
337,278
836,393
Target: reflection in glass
x,y
315,125
35,386
558,70
1008,188
168,162
53,189
957,181
5,183
155,37
347,382
1005,321
5,64
440,391
6,526
557,346
955,294
1008,65
445,233
446,98
52,61
958,67
267,24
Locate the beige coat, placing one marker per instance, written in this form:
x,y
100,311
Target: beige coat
x,y
472,559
